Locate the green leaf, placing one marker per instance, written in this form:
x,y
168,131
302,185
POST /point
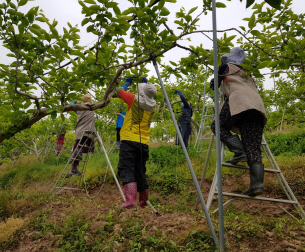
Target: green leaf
x,y
54,115
95,7
255,33
163,34
249,3
246,67
35,31
153,27
129,10
122,48
140,13
149,37
161,4
117,10
171,38
78,53
90,28
41,19
263,64
164,11
107,38
21,28
90,1
192,10
12,5
220,5
273,63
22,2
85,21
173,63
251,23
111,4
274,3
12,12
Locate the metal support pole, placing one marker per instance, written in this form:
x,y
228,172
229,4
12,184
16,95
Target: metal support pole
x,y
109,164
217,131
200,133
186,155
205,168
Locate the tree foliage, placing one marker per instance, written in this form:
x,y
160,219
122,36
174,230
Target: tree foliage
x,y
37,83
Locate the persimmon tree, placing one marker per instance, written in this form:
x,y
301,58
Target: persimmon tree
x,y
37,83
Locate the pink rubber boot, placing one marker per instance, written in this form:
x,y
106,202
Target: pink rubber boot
x,y
143,197
130,190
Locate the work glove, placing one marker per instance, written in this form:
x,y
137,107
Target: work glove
x,y
212,84
74,102
220,79
178,92
144,80
129,79
126,84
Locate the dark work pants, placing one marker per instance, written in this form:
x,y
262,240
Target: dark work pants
x,y
132,163
118,137
88,142
251,126
185,129
187,132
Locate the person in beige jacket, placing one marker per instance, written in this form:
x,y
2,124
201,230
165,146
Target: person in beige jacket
x,y
85,122
243,112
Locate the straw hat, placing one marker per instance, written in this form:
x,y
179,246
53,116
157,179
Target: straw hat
x,y
86,99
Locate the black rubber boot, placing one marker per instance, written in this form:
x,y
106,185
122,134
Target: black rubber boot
x,y
256,179
235,145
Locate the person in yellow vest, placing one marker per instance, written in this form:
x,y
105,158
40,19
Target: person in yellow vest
x,y
135,136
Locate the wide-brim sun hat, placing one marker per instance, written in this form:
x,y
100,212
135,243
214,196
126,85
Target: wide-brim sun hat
x,y
86,99
236,56
145,96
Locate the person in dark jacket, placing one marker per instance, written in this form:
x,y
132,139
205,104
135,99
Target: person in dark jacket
x,y
184,121
243,112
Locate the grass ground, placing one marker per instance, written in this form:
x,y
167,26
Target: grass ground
x,y
34,219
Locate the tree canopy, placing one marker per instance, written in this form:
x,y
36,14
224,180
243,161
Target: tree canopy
x,y
37,83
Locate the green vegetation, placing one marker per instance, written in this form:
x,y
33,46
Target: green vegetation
x,y
72,222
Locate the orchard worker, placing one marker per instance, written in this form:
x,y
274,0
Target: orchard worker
x,y
135,136
85,122
60,140
184,121
119,124
243,112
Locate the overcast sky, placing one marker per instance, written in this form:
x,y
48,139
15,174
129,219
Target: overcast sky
x,y
70,11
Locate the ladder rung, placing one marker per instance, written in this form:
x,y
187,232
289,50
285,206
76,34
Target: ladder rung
x,y
80,160
90,132
67,188
247,167
258,198
68,173
83,145
210,106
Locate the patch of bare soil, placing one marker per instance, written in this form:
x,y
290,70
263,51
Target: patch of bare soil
x,y
175,225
